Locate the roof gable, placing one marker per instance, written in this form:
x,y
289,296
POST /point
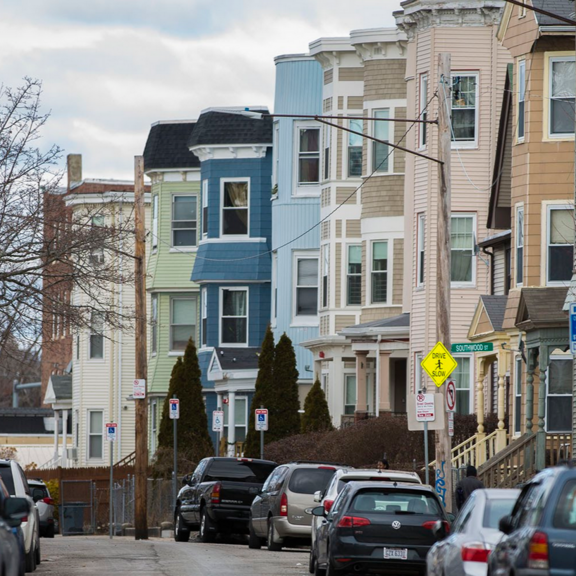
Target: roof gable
x,y
541,308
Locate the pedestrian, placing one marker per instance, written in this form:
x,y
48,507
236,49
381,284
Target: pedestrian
x,y
467,485
383,465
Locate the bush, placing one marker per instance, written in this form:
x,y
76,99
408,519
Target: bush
x,y
54,490
316,417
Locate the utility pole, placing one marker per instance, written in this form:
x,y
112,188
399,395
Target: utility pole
x,y
141,464
443,480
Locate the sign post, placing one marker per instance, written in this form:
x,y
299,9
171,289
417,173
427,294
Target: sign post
x,y
425,412
174,415
261,425
111,429
451,397
218,426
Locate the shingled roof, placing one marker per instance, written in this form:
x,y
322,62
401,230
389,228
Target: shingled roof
x,y
167,146
541,308
563,8
495,307
238,358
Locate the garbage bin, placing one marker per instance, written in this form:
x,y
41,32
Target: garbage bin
x,y
73,518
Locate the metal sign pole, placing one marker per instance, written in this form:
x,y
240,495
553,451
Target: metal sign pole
x,y
261,442
110,521
175,479
426,470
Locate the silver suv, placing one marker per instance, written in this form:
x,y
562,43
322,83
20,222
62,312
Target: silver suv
x,y
278,513
45,505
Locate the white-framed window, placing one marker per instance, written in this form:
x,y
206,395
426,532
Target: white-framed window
x,y
154,222
204,303
96,351
305,286
562,77
308,153
354,276
355,148
325,272
183,314
349,393
154,323
327,135
97,252
462,377
275,155
240,418
234,316
381,157
95,434
521,99
204,208
418,373
379,273
518,396
560,244
464,108
420,250
235,206
463,240
519,245
559,396
184,220
154,424
422,134
274,295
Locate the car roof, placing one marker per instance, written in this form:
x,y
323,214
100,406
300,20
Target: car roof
x,y
360,472
36,482
496,493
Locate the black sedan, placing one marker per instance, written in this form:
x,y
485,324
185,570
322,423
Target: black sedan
x,y
376,527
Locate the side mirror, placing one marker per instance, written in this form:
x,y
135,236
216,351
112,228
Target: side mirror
x,y
439,530
37,494
14,510
318,511
318,496
451,517
505,524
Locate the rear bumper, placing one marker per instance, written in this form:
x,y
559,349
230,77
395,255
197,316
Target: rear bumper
x,y
237,518
475,568
286,530
372,566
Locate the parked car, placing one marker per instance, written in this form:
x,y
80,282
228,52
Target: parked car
x,y
540,532
278,513
473,536
383,527
217,496
339,480
17,485
45,505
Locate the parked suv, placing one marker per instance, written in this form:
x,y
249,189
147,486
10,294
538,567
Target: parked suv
x,y
278,513
12,511
45,505
541,530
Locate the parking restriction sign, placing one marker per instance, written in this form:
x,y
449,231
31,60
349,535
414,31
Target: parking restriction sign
x,y
174,408
261,419
217,421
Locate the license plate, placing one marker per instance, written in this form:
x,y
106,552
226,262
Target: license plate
x,y
395,553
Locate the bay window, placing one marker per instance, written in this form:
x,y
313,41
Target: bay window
x,y
350,394
154,221
380,152
234,316
235,208
560,240
95,434
96,336
182,322
204,208
184,221
521,97
464,102
520,246
462,249
308,156
379,273
355,148
559,396
354,276
420,246
325,269
154,323
562,76
423,109
306,286
518,396
204,326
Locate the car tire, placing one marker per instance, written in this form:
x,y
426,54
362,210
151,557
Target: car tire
x,y
319,571
205,535
311,561
30,561
181,531
254,541
49,531
270,542
37,557
330,571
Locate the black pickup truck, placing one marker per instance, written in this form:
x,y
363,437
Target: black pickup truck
x,y
216,498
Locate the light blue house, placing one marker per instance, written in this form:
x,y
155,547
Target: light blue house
x,y
296,175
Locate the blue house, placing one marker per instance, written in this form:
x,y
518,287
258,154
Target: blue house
x,y
233,263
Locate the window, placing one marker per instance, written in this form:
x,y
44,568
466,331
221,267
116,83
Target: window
x,y
380,152
461,377
423,108
325,269
97,252
518,396
274,314
355,148
204,208
234,316
154,221
565,513
462,251
308,156
240,419
182,322
204,316
464,91
95,433
275,156
306,286
350,394
184,221
379,272
154,323
154,425
354,276
96,336
420,250
326,152
562,78
235,208
521,97
520,246
559,397
560,243
418,375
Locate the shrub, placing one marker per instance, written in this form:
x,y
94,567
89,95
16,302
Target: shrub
x,y
316,417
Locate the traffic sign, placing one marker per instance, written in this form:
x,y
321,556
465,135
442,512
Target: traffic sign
x,y
425,411
217,421
439,364
451,396
261,419
174,409
450,424
111,429
476,347
139,390
572,326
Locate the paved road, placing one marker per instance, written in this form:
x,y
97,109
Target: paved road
x,y
98,556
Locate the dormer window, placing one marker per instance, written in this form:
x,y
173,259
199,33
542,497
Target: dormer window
x,y
235,198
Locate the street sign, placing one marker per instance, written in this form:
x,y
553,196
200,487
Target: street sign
x,y
477,347
572,326
261,419
451,396
425,411
139,390
450,424
217,421
439,364
111,428
174,408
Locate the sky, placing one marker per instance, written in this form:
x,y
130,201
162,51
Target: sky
x,y
112,68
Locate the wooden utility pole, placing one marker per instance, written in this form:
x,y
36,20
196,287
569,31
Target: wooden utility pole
x,y
443,478
141,464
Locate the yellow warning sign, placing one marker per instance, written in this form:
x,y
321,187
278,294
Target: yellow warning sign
x,y
439,364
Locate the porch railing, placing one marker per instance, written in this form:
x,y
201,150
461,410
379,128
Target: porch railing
x,y
472,450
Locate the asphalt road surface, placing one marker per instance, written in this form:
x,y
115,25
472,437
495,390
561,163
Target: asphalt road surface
x,y
99,556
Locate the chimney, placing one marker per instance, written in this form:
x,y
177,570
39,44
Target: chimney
x,y
74,164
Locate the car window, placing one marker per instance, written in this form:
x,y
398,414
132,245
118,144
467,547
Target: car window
x,y
6,473
520,506
309,480
40,488
200,470
495,510
340,499
565,513
238,471
24,481
465,513
395,501
527,513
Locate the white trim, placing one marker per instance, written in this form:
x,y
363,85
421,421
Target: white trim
x,y
274,291
89,434
230,240
515,395
203,316
423,128
233,237
471,388
189,297
204,218
521,66
519,209
550,207
221,316
374,110
312,188
470,144
472,282
347,273
548,65
275,152
346,151
173,197
556,358
301,319
155,222
389,264
231,151
104,198
420,249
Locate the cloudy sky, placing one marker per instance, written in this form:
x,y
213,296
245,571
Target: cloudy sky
x,y
112,67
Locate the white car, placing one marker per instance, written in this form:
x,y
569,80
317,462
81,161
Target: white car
x,y
473,535
17,485
337,483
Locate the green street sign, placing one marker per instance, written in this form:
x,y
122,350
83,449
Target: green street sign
x,y
466,347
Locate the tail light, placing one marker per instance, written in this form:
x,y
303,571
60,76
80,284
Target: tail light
x,y
431,523
48,501
475,552
538,552
25,519
216,493
326,468
328,505
284,505
353,521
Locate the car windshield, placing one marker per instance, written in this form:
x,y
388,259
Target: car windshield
x,y
395,501
37,488
310,480
239,471
6,474
565,514
496,509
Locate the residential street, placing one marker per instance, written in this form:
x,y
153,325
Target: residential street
x,y
99,556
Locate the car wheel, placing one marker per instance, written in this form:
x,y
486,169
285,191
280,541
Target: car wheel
x,y
330,568
181,532
37,554
311,561
271,544
30,561
254,541
49,531
205,534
